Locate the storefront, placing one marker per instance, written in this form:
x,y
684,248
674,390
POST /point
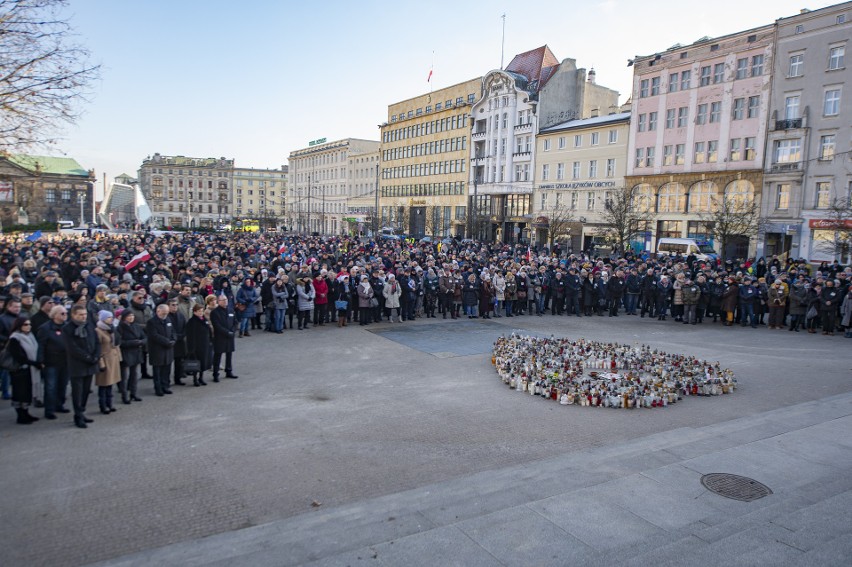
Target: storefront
x,y
830,240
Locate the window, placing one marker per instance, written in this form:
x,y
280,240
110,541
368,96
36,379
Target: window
x,y
742,68
668,156
823,194
652,124
704,80
791,107
471,98
655,86
699,153
574,196
673,81
643,122
680,154
787,151
739,109
750,148
718,73
547,145
800,29
545,172
593,169
613,134
590,200
735,154
831,107
560,171
835,57
782,196
797,64
649,156
715,112
670,118
50,196
841,19
757,65
575,170
610,167
712,151
685,79
682,115
702,196
826,147
753,106
640,157
596,138
672,198
578,140
505,123
643,88
701,116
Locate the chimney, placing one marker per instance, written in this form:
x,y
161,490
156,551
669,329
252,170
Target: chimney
x,y
592,75
595,112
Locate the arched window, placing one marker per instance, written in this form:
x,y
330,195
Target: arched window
x,y
672,198
702,197
739,193
643,198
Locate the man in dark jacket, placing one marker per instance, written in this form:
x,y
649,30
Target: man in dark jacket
x,y
161,342
54,356
143,313
615,291
572,294
179,325
649,293
748,295
83,350
224,328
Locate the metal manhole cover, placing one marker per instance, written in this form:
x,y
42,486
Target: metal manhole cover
x,y
734,486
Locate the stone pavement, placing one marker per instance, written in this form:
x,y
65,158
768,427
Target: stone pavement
x,y
636,503
345,416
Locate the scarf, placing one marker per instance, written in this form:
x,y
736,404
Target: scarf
x,y
28,342
80,330
116,340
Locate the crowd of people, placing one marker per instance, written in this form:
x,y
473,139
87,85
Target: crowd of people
x,y
110,310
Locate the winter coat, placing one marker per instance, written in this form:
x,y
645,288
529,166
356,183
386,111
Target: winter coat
x,y
590,291
82,352
248,296
486,296
365,294
776,297
280,295
161,341
499,287
321,291
21,379
798,299
142,311
199,342
306,295
110,358
132,342
615,288
470,293
392,291
829,299
846,311
730,296
511,288
51,345
691,294
677,286
179,323
224,329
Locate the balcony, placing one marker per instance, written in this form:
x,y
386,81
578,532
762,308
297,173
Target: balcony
x,y
478,135
788,124
523,127
478,159
793,166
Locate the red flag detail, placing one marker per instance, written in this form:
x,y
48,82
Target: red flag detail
x,y
429,78
141,257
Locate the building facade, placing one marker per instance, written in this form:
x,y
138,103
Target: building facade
x,y
260,194
37,189
808,170
579,164
424,162
318,188
187,192
362,188
534,90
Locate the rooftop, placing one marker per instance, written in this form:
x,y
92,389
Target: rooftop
x,y
589,122
537,65
49,164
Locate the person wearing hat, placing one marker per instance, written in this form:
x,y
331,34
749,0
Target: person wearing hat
x,y
109,365
42,316
53,357
829,302
748,295
777,300
365,297
100,302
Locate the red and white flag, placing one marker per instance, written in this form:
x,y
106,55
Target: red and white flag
x,y
282,249
429,78
143,256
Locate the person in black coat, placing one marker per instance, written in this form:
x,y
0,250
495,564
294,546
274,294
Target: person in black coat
x,y
133,343
224,329
23,349
179,323
83,351
615,292
161,342
52,354
199,344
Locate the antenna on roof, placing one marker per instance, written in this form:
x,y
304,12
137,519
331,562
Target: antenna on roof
x,y
503,40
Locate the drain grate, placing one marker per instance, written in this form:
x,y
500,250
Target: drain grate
x,y
734,486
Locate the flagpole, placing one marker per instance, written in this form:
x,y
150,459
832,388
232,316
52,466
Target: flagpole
x,y
503,40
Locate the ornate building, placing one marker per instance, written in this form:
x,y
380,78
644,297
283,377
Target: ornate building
x,y
535,90
36,189
188,192
260,194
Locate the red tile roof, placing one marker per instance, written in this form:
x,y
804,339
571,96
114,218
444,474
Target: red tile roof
x,y
537,65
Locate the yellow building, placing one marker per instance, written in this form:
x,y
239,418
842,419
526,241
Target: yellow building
x,y
424,161
259,194
579,163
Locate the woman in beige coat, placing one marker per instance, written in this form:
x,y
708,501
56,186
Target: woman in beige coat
x,y
110,362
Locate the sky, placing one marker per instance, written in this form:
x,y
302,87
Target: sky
x,y
254,80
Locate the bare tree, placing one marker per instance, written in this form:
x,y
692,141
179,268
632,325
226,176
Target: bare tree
x,y
733,216
559,219
838,219
43,73
625,217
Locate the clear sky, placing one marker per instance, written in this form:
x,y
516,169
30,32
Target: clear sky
x,y
254,80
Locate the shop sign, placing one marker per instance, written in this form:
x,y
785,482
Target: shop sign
x,y
580,185
830,224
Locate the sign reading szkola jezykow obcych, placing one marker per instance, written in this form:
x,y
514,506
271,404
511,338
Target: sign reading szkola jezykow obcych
x,y
316,142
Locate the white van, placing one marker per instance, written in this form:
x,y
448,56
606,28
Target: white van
x,y
703,251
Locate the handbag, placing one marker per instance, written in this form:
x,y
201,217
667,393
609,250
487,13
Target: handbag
x,y
7,361
374,302
812,312
341,305
191,365
240,307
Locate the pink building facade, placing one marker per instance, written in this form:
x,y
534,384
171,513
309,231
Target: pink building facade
x,y
698,131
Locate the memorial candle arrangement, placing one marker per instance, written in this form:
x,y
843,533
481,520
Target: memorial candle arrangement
x,y
612,375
